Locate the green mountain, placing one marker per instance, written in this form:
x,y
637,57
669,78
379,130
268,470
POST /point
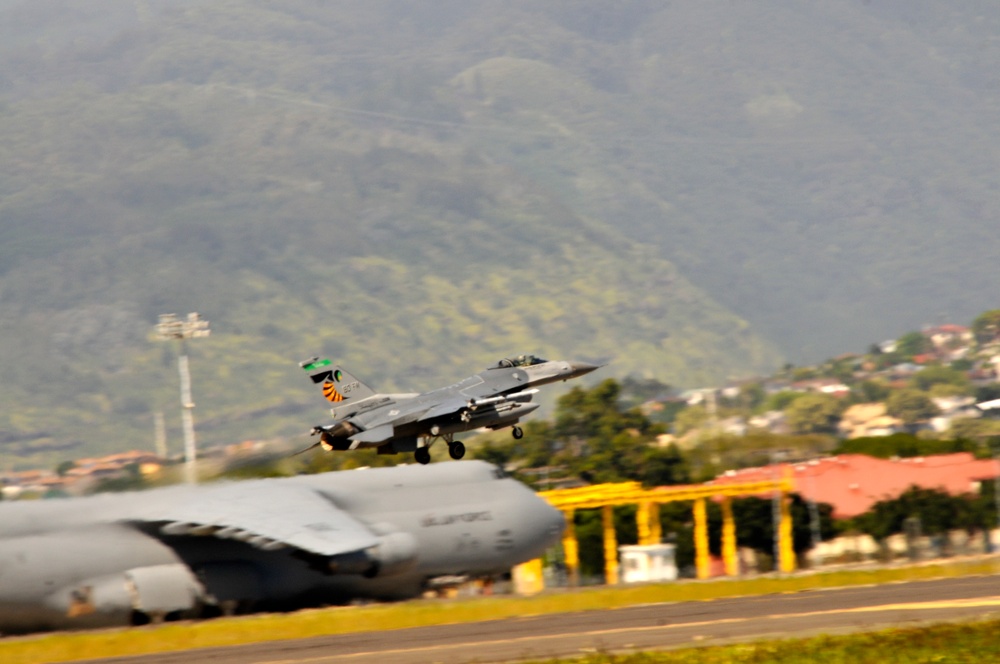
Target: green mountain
x,y
689,191
395,247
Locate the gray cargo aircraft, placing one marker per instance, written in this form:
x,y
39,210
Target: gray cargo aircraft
x,y
387,533
497,397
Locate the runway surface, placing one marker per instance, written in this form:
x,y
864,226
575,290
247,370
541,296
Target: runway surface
x,y
634,628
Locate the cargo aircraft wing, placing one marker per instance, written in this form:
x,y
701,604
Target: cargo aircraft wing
x,y
279,517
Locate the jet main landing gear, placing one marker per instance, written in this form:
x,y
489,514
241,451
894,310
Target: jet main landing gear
x,y
456,449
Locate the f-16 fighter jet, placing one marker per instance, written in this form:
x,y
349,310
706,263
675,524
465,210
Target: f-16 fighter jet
x,y
497,397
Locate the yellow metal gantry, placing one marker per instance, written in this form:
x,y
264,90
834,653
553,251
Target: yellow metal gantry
x,y
607,496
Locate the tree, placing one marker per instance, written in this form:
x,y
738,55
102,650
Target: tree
x,y
65,467
814,413
988,392
590,536
537,447
911,406
928,377
637,391
583,413
718,452
754,518
963,364
969,428
752,396
986,327
913,343
757,528
937,510
870,391
904,445
881,447
947,390
595,438
498,455
782,400
662,466
689,419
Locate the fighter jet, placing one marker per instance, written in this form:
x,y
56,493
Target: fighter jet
x,y
187,551
495,398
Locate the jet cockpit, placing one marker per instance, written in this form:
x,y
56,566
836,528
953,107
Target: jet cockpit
x,y
520,361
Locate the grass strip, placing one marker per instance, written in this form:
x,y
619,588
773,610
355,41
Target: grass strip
x,y
947,642
67,647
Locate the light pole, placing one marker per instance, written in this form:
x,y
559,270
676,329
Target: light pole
x,y
171,328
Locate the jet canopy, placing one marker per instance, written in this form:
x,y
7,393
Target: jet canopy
x,y
520,361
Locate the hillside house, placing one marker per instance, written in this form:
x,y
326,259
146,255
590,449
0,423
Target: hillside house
x,y
773,421
949,337
868,419
952,408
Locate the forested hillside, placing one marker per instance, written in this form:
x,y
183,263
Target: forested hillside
x,y
692,191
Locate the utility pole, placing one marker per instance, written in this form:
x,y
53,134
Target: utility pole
x,y
171,328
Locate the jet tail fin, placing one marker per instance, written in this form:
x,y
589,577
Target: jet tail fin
x,y
338,385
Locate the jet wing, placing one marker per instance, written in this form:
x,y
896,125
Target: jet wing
x,y
267,515
448,407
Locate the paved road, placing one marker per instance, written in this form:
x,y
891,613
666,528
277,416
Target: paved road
x,y
640,627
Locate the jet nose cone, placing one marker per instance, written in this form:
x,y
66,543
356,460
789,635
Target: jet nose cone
x,y
581,368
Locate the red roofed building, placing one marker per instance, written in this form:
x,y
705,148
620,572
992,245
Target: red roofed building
x,y
852,483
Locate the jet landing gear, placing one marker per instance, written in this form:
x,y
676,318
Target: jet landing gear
x,y
517,432
456,449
